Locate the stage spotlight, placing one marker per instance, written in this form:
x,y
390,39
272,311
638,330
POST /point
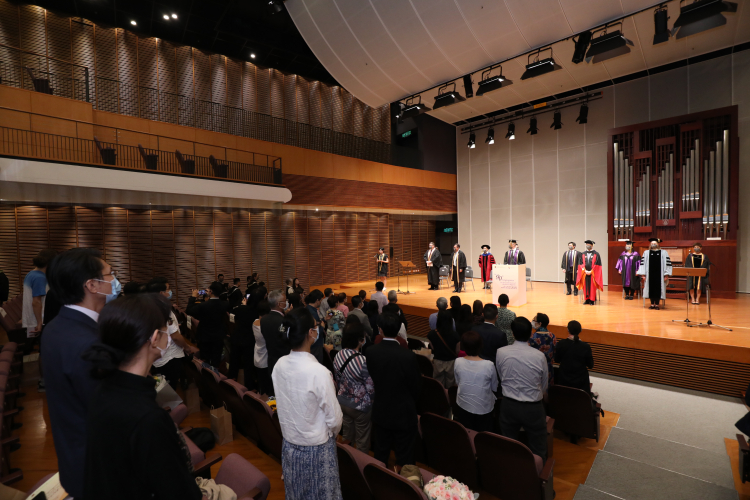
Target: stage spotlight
x,y
607,46
472,140
490,83
166,17
490,136
252,55
557,121
468,87
661,30
702,16
539,67
447,98
134,23
582,44
583,115
511,132
275,6
414,107
174,16
533,130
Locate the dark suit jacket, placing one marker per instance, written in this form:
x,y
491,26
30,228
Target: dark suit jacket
x,y
492,340
269,328
212,317
397,380
235,296
243,325
69,388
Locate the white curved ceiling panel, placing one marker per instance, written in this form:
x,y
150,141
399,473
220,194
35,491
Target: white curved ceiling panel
x,y
501,36
543,21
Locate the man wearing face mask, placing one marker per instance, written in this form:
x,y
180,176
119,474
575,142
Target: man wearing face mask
x,y
590,273
570,262
486,261
434,260
627,265
655,270
83,283
697,285
514,256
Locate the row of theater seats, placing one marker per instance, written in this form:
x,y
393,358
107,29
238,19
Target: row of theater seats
x,y
10,319
10,379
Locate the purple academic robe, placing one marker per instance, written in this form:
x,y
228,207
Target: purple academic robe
x,y
628,265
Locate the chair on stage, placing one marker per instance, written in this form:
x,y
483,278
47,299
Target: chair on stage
x,y
443,275
469,275
528,277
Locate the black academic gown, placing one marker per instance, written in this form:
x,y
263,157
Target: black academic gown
x,y
571,272
509,260
701,261
432,271
459,277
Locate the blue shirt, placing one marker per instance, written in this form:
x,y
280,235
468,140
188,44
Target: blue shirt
x,y
34,285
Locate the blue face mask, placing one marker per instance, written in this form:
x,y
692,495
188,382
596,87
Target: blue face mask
x,y
116,289
169,294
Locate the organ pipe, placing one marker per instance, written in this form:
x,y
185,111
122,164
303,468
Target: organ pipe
x,y
718,188
670,185
705,198
696,175
711,188
648,195
616,178
725,183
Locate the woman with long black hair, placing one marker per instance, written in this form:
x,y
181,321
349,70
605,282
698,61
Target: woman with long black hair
x,y
575,360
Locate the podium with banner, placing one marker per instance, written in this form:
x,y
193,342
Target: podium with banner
x,y
511,281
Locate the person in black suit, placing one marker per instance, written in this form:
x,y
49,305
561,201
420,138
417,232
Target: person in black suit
x,y
492,337
458,267
269,328
235,294
242,340
82,282
397,381
212,326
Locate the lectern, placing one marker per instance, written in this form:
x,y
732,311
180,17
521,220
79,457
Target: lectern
x,y
408,265
511,281
695,272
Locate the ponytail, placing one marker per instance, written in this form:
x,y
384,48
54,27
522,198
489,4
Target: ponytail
x,y
295,326
574,328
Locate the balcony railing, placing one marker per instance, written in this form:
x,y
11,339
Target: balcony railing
x,y
14,142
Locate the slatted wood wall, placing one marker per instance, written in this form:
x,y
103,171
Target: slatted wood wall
x,y
190,247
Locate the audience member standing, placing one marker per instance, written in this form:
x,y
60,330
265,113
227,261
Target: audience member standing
x,y
82,282
324,303
442,305
465,320
313,301
357,311
575,360
492,338
133,449
242,342
455,309
269,328
393,301
371,309
545,341
212,317
397,381
523,376
477,384
477,310
235,294
309,414
4,287
335,323
34,294
505,317
443,341
260,356
379,296
342,305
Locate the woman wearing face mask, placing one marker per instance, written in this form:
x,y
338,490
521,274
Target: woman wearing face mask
x,y
627,265
697,285
356,388
309,414
133,448
545,341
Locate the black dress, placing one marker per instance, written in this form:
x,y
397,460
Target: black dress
x,y
695,261
655,277
574,358
134,450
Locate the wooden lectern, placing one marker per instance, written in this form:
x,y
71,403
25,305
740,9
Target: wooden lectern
x,y
695,272
511,281
408,265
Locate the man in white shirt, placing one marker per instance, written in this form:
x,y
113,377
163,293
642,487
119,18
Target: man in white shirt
x,y
379,296
523,376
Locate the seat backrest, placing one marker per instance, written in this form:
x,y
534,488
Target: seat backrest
x,y
213,394
142,151
241,416
242,476
212,160
433,397
269,435
443,271
425,366
469,272
528,272
351,472
98,144
449,448
507,468
387,485
453,397
414,344
572,410
179,157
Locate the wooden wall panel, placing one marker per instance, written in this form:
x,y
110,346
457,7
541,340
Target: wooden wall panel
x,y
116,239
327,237
301,253
184,252
62,228
288,267
258,241
163,241
33,35
364,229
89,228
315,249
350,248
241,245
32,235
274,256
140,245
205,260
9,246
223,244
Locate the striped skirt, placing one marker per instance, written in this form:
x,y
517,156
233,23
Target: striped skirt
x,y
311,472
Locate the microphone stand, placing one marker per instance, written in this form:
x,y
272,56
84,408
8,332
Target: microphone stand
x,y
709,323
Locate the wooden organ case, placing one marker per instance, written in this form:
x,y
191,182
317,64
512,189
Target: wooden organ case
x,y
677,179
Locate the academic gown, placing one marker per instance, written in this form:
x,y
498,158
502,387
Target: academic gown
x,y
433,277
592,261
486,261
700,261
455,274
571,268
514,257
663,269
628,265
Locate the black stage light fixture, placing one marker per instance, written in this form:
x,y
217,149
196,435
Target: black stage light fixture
x,y
532,127
447,98
702,16
582,44
275,6
511,132
414,107
490,136
608,45
468,87
557,121
583,115
490,83
539,66
661,30
472,140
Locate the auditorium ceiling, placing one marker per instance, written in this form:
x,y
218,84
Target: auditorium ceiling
x,y
386,50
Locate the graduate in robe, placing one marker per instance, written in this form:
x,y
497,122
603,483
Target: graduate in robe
x,y
382,261
486,261
570,262
590,273
434,260
655,270
697,285
627,265
513,256
458,267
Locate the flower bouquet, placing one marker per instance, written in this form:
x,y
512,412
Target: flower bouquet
x,y
447,488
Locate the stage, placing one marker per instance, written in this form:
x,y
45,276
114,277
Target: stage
x,y
628,339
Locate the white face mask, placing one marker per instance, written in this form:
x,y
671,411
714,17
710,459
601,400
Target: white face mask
x,y
628,247
535,325
654,247
589,247
570,248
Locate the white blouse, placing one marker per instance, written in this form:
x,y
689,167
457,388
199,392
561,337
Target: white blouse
x,y
306,403
260,355
477,380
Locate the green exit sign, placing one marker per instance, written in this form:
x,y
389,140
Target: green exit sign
x,y
448,230
406,134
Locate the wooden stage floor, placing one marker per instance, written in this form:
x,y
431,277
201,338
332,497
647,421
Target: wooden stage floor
x,y
613,321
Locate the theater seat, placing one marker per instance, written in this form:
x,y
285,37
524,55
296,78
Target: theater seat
x,y
387,485
201,464
425,366
744,458
449,448
243,478
210,392
574,412
241,416
269,433
352,463
433,398
179,413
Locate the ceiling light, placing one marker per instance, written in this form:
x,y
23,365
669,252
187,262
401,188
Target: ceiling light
x,y
133,23
539,67
511,132
607,46
252,56
414,108
702,16
661,30
532,127
583,115
490,83
557,121
275,6
447,98
472,141
174,16
490,136
468,87
581,45
165,17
